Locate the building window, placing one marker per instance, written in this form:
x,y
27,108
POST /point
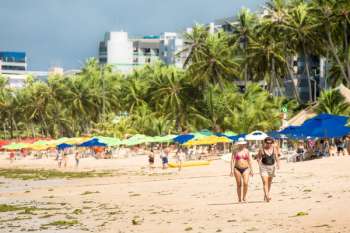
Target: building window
x,y
156,51
135,60
13,68
103,60
147,51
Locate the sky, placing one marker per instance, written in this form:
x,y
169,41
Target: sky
x,y
66,32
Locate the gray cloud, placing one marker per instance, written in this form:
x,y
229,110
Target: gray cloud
x,y
66,32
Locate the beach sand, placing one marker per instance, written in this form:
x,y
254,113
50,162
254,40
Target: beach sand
x,y
197,199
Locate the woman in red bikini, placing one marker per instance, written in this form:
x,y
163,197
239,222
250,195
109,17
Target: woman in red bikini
x,y
241,168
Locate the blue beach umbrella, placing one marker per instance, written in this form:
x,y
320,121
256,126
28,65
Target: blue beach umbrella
x,y
326,126
183,138
235,138
92,143
63,146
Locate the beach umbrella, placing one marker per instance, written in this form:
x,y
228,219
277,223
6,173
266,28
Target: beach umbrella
x,y
209,140
93,143
162,139
76,140
137,140
326,126
109,141
16,146
39,147
236,137
4,143
183,138
256,136
276,135
63,146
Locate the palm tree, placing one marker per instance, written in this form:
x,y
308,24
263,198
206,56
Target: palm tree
x,y
193,43
300,34
271,27
215,63
167,91
242,31
333,27
333,102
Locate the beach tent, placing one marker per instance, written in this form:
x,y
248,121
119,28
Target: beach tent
x,y
256,136
17,146
64,146
93,143
209,140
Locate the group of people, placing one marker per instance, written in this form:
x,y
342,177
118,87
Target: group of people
x,y
164,153
242,166
322,148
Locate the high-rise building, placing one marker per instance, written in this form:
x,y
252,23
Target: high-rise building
x,y
125,53
171,49
117,50
12,61
145,50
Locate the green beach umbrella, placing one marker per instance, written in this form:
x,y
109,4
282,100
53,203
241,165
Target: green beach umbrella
x,y
16,146
109,141
230,133
162,139
137,140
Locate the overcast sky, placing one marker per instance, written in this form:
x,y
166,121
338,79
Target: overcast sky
x,y
66,32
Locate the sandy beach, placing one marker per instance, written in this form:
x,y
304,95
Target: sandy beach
x,y
310,196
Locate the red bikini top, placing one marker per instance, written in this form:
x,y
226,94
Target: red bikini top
x,y
238,157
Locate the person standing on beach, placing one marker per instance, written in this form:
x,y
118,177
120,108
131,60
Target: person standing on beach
x,y
164,155
241,168
268,159
180,157
151,159
77,158
12,156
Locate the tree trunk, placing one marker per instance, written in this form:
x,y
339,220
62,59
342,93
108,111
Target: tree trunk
x,y
245,77
334,52
291,77
11,127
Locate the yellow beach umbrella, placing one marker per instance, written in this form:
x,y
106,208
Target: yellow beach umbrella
x,y
209,140
39,147
77,140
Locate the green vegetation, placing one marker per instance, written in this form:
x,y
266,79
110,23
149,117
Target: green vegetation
x,y
33,174
300,214
136,220
89,192
78,211
62,223
333,102
159,99
11,208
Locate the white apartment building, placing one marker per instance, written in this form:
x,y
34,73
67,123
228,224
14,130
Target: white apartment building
x,y
125,53
170,47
